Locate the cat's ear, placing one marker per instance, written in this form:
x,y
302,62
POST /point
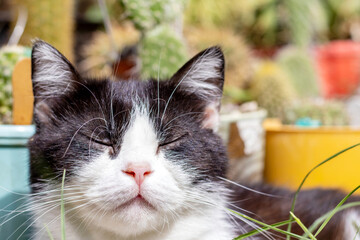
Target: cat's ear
x,y
52,77
203,75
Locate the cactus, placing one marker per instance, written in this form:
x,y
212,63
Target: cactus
x,y
162,52
327,113
299,66
9,56
51,21
96,53
148,14
272,89
161,45
158,38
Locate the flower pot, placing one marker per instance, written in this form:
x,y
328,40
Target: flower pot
x,y
291,152
14,180
243,135
339,67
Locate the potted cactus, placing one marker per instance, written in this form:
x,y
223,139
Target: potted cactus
x,y
308,128
148,42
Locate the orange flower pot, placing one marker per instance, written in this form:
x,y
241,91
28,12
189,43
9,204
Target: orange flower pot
x,y
338,65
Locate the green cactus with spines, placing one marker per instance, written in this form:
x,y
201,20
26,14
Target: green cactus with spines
x,y
147,14
162,52
51,21
328,113
300,68
272,89
161,48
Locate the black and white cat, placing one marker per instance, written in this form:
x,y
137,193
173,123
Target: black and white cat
x,y
142,160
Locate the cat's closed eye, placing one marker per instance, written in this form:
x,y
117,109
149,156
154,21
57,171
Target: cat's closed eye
x,y
170,143
100,141
104,142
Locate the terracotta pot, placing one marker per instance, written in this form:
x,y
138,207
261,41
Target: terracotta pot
x,y
338,64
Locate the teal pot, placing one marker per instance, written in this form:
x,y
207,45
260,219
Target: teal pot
x,y
14,181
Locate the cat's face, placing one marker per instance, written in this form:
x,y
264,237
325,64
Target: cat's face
x,y
136,153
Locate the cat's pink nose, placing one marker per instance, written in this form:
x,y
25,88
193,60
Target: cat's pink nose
x,y
138,171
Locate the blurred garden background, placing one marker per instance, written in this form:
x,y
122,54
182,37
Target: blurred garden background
x,y
291,94
294,62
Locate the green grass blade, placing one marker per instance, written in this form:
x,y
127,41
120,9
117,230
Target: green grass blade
x,y
48,232
63,207
262,229
321,219
303,226
335,211
307,175
269,226
357,230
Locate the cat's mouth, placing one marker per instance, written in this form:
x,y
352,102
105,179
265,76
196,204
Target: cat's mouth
x,y
138,201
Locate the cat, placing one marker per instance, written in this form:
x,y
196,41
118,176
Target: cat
x,y
143,160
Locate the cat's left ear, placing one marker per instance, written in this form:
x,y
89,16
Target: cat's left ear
x,y
52,75
203,75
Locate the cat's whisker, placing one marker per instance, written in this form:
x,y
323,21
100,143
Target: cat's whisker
x,y
72,138
56,218
34,207
126,110
47,210
91,137
27,207
254,226
250,189
158,83
181,115
112,120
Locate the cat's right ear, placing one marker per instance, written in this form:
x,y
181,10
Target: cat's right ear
x,y
52,77
203,75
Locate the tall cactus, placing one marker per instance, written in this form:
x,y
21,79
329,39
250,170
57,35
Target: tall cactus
x,y
272,89
161,48
161,53
50,20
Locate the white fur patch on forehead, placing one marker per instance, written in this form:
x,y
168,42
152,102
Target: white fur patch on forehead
x,y
140,135
204,73
52,72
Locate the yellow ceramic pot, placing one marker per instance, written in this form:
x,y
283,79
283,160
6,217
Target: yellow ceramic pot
x,y
291,152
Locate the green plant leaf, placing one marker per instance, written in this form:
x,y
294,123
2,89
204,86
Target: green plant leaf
x,y
262,229
48,232
307,175
269,226
335,211
322,218
302,226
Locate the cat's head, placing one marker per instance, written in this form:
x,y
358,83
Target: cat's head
x,y
138,153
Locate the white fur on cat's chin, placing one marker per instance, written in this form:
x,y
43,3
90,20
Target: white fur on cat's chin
x,y
208,66
53,74
176,212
